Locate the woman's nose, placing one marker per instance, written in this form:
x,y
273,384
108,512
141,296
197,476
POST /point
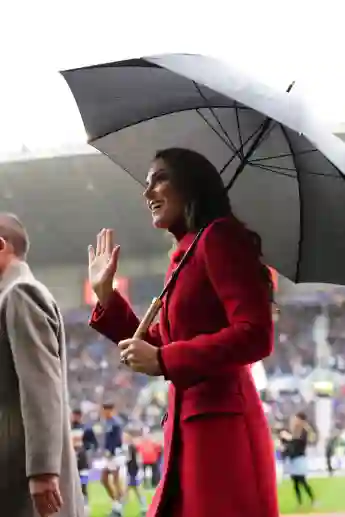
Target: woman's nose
x,y
145,193
148,193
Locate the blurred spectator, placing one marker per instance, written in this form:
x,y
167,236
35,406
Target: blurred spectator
x,y
95,373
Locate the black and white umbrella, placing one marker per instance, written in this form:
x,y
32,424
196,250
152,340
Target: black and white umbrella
x,y
284,173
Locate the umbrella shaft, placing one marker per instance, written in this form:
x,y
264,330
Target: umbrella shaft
x,y
148,319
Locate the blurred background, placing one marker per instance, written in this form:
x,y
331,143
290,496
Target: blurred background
x,y
65,200
65,197
65,192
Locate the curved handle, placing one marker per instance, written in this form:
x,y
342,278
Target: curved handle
x,y
149,317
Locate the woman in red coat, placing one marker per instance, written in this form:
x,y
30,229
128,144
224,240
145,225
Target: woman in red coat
x,y
215,322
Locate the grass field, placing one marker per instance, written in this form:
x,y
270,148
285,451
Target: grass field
x,y
329,492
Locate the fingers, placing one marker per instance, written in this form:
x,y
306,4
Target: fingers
x,y
91,252
130,360
127,348
108,241
114,258
99,243
105,242
48,503
135,365
129,353
123,345
57,498
130,357
126,356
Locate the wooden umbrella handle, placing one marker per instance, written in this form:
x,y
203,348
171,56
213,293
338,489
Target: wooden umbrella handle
x,y
147,320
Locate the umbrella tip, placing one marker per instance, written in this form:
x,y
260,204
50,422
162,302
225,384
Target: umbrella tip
x,y
290,86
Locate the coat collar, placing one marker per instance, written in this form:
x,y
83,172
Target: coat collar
x,y
15,270
182,247
186,240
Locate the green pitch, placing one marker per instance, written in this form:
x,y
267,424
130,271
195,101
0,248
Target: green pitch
x,y
329,493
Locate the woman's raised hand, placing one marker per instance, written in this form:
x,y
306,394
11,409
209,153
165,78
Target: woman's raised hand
x,y
103,265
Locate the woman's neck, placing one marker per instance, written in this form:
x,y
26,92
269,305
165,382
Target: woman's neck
x,y
178,230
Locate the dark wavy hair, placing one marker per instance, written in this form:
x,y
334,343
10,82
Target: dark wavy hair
x,y
205,196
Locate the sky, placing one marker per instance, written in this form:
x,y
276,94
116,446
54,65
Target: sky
x,y
275,42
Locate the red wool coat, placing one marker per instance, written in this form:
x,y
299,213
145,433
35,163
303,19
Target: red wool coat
x,y
218,457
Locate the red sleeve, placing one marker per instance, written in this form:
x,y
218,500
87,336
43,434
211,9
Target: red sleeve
x,y
117,321
236,276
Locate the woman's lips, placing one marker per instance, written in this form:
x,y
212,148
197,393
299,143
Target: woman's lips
x,y
155,206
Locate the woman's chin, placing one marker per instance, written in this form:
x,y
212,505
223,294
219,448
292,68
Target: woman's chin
x,y
160,223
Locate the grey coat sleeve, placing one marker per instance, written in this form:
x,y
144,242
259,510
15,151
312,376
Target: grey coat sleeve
x,y
32,326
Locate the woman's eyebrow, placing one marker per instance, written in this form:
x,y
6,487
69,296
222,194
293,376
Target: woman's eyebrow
x,y
154,174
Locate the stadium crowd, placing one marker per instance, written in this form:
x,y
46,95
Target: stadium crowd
x,y
96,375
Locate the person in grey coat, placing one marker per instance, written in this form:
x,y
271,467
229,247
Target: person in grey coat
x,y
38,471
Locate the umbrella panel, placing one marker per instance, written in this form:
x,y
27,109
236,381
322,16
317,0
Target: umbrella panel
x,y
135,93
258,192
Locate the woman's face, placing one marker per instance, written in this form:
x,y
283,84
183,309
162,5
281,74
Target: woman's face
x,y
164,202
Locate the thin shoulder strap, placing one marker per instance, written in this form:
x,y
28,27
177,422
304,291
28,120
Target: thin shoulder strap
x,y
169,286
172,280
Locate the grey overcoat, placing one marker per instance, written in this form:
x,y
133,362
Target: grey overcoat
x,y
34,412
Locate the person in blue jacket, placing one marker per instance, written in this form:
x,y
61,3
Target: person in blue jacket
x,y
114,457
84,440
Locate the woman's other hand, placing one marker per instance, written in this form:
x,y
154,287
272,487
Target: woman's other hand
x,y
103,265
140,356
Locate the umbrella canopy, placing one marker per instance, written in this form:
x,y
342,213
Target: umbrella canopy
x,y
284,173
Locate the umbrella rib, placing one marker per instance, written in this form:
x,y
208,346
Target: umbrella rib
x,y
223,138
91,140
239,129
276,168
279,168
226,165
265,128
211,109
301,209
273,125
264,168
285,155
